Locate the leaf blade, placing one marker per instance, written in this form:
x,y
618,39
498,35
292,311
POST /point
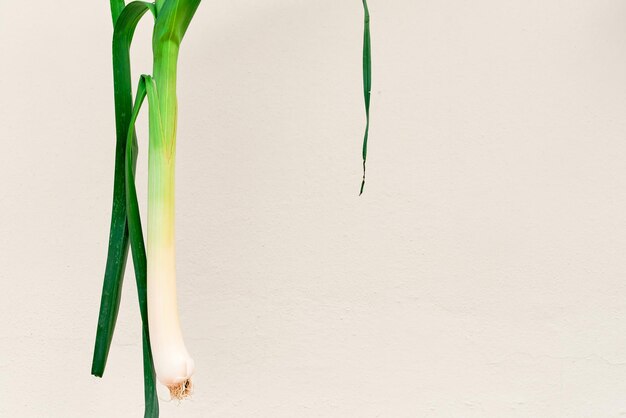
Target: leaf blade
x,y
139,256
117,6
367,83
118,236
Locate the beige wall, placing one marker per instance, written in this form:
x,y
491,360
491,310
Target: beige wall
x,y
481,274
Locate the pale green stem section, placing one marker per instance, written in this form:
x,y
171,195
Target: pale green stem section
x,y
165,69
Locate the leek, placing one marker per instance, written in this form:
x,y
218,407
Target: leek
x,y
165,355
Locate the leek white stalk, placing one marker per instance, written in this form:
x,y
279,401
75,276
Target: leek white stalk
x,y
172,363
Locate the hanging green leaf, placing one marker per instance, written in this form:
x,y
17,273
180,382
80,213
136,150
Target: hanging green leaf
x,y
116,9
139,256
367,83
118,237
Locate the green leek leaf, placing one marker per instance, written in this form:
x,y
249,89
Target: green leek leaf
x,y
139,255
118,237
367,83
116,9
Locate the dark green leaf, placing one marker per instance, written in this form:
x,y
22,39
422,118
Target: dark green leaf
x,y
139,255
116,9
367,83
151,399
118,237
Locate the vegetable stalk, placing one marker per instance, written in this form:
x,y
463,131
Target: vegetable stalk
x,y
172,362
173,365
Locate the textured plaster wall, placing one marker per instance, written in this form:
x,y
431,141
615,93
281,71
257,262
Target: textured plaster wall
x,y
482,274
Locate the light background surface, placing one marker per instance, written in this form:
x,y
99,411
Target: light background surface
x,y
481,274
